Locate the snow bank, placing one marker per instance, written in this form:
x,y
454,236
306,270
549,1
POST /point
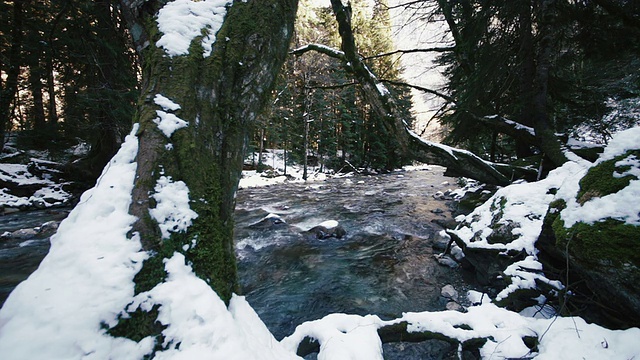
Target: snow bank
x,y
49,193
523,203
84,281
275,159
622,205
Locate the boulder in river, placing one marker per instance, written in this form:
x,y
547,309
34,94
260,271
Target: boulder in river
x,y
325,230
269,222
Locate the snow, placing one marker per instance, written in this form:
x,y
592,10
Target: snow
x,y
382,90
521,206
524,203
199,325
165,103
524,275
85,279
181,21
172,211
168,123
275,159
446,148
341,336
622,205
46,193
518,126
19,174
329,224
345,336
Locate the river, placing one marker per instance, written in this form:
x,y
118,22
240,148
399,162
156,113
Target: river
x,y
384,265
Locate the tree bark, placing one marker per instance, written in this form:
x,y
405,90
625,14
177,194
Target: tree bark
x,y
220,97
545,134
527,74
10,87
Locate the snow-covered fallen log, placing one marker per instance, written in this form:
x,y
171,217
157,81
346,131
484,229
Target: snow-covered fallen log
x,y
495,333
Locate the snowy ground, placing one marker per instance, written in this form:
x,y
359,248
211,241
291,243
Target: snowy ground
x,y
275,160
46,193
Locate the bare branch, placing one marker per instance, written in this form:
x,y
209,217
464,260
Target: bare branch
x,y
423,89
409,51
334,86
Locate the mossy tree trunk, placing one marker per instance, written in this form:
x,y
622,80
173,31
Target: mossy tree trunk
x,y
219,97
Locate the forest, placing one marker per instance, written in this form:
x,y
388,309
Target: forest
x,y
149,119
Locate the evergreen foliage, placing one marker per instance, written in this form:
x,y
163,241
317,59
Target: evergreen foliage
x,y
77,75
316,91
593,85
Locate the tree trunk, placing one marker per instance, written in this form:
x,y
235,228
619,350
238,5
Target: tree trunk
x,y
527,73
545,133
37,108
12,70
219,97
52,112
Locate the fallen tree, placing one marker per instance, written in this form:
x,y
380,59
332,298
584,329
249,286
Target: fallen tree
x,y
457,161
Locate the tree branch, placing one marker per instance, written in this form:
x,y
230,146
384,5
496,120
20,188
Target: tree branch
x,y
423,89
323,49
409,51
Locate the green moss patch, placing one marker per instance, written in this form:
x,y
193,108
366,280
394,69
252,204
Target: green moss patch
x,y
139,325
599,181
609,242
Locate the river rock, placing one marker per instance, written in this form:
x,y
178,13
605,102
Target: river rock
x,y
328,229
503,232
446,260
271,221
24,234
441,240
452,305
49,228
449,292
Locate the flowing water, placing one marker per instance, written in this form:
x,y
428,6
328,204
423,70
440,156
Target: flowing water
x,y
21,253
384,265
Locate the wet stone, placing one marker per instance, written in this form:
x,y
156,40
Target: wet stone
x,y
449,292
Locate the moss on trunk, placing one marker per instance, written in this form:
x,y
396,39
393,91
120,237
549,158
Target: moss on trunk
x,y
220,97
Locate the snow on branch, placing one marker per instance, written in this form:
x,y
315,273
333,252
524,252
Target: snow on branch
x,y
323,49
